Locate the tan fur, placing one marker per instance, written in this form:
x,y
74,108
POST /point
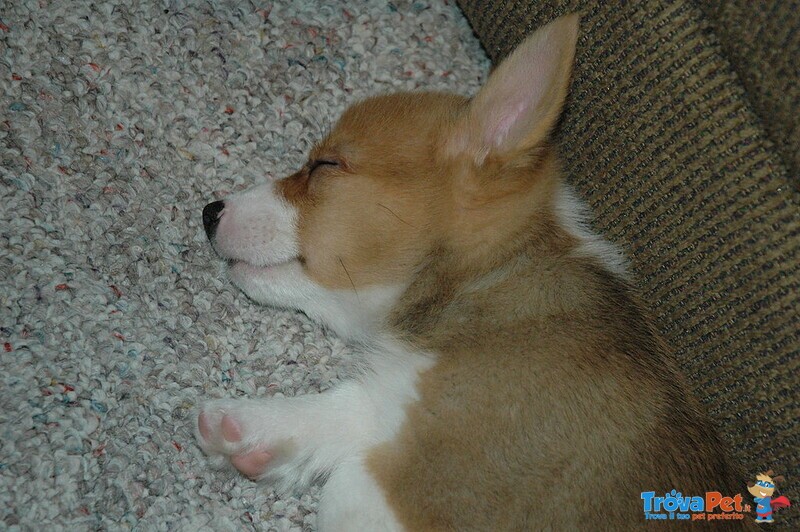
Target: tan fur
x,y
371,220
552,403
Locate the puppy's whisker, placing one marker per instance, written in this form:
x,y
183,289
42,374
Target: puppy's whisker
x,y
348,276
394,214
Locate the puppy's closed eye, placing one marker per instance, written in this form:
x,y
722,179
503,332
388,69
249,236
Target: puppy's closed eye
x,y
316,164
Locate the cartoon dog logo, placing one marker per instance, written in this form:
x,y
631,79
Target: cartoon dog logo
x,y
762,490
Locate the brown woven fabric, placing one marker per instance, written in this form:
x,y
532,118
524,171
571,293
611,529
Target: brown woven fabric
x,y
762,42
659,137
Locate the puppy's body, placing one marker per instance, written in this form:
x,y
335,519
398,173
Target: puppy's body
x,y
510,379
545,408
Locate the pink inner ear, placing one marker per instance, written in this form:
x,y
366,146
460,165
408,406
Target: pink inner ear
x,y
502,123
524,94
517,93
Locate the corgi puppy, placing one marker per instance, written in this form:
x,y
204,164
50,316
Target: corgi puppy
x,y
509,378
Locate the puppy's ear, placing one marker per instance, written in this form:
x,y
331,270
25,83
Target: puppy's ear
x,y
522,99
777,479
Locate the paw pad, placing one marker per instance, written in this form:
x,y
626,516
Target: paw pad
x,y
231,430
221,435
251,464
229,427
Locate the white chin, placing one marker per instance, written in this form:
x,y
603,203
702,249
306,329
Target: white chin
x,y
270,285
246,268
248,276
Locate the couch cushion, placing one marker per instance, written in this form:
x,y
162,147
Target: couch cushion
x,y
762,43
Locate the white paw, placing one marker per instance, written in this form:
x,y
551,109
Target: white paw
x,y
250,434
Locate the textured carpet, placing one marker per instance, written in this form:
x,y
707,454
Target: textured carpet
x,y
117,124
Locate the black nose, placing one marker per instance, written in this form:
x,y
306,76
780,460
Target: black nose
x,y
211,214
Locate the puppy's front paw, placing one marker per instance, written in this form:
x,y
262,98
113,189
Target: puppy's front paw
x,y
238,430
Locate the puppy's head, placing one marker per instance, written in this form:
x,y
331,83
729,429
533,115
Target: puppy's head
x,y
397,178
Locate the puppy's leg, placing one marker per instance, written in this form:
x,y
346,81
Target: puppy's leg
x,y
353,500
289,440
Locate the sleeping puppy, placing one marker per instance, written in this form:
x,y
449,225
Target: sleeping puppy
x,y
510,379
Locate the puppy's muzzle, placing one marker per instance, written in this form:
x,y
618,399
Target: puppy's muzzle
x,y
211,215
